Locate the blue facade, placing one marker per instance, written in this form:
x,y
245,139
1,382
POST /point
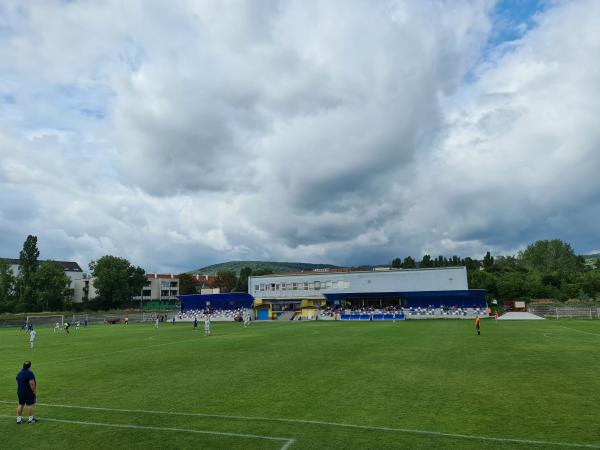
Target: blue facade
x,y
230,300
463,298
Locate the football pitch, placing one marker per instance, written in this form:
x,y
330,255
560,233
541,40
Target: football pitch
x,y
309,385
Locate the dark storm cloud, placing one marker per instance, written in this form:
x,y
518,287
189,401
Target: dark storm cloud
x,y
336,132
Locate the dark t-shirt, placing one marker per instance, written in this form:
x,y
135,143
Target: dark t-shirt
x,y
23,378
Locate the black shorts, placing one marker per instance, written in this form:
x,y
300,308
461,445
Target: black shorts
x,y
26,399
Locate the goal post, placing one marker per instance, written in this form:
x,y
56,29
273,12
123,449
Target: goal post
x,y
79,318
45,320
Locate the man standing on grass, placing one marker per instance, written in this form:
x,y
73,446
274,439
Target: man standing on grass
x,y
478,325
26,388
32,335
207,326
195,323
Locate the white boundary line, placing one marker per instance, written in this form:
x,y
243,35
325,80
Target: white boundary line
x,y
324,423
287,441
579,331
100,355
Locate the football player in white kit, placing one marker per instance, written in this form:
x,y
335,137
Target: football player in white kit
x,y
56,327
207,326
32,335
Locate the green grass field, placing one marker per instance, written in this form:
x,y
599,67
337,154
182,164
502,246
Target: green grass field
x,y
310,385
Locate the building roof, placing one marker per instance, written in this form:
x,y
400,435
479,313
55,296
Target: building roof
x,y
161,275
319,273
69,266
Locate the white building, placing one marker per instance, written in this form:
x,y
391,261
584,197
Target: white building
x,y
161,287
403,287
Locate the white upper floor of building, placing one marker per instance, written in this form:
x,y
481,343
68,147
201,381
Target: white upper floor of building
x,y
316,284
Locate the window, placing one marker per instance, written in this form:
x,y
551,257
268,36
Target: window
x,y
334,285
317,285
289,286
262,287
283,287
256,288
294,286
272,286
328,285
311,286
277,287
306,285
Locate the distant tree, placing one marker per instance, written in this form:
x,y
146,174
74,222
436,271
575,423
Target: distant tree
x,y
226,280
471,264
116,281
262,271
479,279
242,282
26,279
409,263
590,282
7,287
455,261
488,260
511,285
551,255
426,262
52,286
441,261
137,279
396,263
507,264
186,284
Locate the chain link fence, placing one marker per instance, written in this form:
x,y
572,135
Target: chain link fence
x,y
49,320
566,312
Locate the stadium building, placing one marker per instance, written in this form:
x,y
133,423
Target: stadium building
x,y
303,294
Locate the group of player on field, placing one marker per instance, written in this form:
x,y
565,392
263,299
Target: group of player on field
x,y
245,318
66,325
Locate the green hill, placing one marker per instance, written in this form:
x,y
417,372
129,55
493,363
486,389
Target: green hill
x,y
276,267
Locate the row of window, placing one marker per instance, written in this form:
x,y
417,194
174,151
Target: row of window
x,y
305,286
164,293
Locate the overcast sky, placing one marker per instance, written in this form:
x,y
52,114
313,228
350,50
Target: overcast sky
x,y
181,134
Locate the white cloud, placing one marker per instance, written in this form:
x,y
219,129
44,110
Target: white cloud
x,y
519,157
319,131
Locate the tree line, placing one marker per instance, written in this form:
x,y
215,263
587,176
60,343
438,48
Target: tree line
x,y
37,286
44,286
545,269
